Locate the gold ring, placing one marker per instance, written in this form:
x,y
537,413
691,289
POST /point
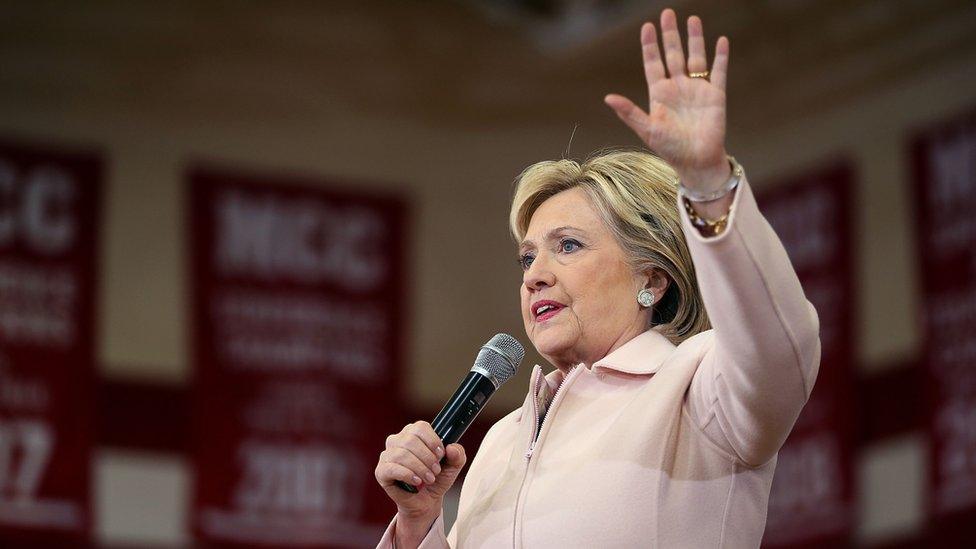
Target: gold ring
x,y
702,74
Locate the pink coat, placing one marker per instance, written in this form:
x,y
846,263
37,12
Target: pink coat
x,y
657,445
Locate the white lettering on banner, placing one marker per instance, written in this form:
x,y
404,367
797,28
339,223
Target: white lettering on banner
x,y
37,207
803,221
806,500
25,449
300,331
21,394
951,317
37,304
956,425
316,480
301,408
41,513
301,240
952,163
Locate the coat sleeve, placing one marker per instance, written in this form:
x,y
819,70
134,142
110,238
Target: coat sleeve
x,y
435,538
757,371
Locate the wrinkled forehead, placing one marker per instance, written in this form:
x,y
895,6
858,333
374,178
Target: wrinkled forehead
x,y
572,208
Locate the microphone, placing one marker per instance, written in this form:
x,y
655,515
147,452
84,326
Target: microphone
x,y
496,363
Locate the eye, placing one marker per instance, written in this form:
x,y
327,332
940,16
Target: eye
x,y
525,261
568,245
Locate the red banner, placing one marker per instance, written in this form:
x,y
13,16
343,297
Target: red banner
x,y
811,501
944,161
48,213
297,310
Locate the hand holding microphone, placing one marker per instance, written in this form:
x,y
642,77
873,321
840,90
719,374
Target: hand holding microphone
x,y
421,462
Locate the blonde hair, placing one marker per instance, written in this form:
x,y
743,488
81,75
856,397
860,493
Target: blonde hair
x,y
636,194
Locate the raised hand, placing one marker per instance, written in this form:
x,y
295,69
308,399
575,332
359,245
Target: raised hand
x,y
685,120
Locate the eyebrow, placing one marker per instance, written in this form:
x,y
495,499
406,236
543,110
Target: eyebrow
x,y
552,233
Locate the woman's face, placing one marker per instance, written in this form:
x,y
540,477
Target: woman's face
x,y
579,294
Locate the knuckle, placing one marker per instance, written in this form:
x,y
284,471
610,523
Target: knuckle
x,y
422,448
412,444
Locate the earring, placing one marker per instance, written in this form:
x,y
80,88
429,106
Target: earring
x,y
645,297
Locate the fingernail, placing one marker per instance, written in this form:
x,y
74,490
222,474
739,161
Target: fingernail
x,y
440,452
431,478
416,480
437,468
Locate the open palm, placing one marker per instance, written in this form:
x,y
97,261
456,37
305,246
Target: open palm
x,y
685,119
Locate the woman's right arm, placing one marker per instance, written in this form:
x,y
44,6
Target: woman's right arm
x,y
414,456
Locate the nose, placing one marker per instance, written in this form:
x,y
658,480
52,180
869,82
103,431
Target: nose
x,y
539,275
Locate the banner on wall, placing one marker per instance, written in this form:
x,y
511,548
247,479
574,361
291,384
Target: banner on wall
x,y
811,501
297,309
944,164
48,216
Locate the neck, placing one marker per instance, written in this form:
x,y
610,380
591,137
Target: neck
x,y
570,361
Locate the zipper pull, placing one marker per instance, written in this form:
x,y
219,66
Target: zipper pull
x,y
528,453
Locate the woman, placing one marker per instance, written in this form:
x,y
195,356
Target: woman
x,y
662,437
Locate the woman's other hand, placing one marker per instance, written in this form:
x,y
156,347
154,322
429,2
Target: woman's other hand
x,y
685,120
414,456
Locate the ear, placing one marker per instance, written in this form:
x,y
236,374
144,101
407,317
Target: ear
x,y
657,282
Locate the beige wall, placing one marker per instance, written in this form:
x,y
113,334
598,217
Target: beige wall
x,y
435,104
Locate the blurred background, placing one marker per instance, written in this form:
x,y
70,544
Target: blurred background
x,y
242,242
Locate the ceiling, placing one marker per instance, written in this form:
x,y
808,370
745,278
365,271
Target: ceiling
x,y
461,62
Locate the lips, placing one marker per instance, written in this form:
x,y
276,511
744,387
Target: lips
x,y
545,309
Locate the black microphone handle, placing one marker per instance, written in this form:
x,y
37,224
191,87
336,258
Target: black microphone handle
x,y
456,416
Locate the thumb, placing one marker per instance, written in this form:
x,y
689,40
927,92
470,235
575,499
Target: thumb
x,y
456,458
454,461
633,116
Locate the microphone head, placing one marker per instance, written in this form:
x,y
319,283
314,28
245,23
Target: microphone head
x,y
499,358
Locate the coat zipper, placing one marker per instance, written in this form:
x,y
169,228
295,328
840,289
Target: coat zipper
x,y
536,431
538,424
535,414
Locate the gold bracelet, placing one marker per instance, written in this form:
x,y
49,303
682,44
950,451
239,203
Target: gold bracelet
x,y
707,227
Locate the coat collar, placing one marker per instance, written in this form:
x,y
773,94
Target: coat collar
x,y
642,355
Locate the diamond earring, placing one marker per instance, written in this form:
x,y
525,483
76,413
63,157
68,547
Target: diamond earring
x,y
645,297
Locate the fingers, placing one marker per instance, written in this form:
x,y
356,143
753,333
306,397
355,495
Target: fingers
x,y
653,67
673,54
417,448
424,431
420,467
696,46
720,66
388,472
632,115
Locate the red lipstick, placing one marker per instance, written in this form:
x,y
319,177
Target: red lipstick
x,y
544,309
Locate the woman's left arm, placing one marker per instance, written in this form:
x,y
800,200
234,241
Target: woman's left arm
x,y
756,377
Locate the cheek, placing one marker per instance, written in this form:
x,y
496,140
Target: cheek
x,y
604,296
524,303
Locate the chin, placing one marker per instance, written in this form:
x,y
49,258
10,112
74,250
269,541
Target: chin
x,y
550,344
